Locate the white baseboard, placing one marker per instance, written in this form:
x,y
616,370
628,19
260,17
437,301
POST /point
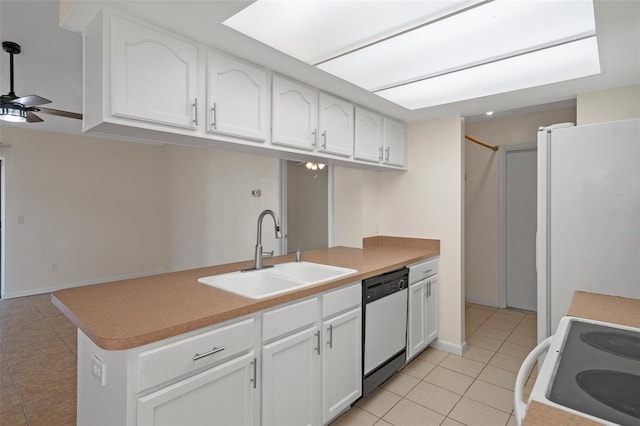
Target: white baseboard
x,y
42,290
452,348
481,301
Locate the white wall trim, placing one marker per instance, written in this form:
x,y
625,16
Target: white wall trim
x,y
3,222
453,348
42,290
502,244
282,184
482,301
330,206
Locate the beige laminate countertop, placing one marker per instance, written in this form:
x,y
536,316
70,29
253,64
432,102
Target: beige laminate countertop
x,y
599,307
130,313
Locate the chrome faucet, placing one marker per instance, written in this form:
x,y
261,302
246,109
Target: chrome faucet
x,y
259,254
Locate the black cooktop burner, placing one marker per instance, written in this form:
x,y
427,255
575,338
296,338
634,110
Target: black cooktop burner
x,y
615,343
599,373
612,388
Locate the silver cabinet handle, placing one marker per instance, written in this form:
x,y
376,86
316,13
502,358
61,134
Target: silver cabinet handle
x,y
215,350
317,348
195,111
330,342
255,371
213,119
386,154
427,271
324,139
315,138
380,153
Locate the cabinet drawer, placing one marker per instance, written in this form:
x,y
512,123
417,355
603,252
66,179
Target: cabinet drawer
x,y
167,362
289,318
423,270
342,299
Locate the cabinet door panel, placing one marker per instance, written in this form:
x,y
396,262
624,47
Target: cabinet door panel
x,y
223,395
417,319
395,142
431,331
368,135
291,380
341,363
237,98
335,122
153,75
295,114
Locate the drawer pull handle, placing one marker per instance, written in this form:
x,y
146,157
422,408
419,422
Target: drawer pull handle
x,y
254,380
215,350
427,271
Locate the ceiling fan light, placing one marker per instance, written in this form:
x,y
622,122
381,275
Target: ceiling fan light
x,y
13,115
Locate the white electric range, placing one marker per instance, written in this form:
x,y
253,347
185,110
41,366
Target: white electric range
x,y
591,369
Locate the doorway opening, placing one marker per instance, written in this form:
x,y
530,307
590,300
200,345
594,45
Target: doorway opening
x,y
306,206
518,222
2,223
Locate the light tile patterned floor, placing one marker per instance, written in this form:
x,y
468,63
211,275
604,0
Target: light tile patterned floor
x,y
37,363
438,388
38,372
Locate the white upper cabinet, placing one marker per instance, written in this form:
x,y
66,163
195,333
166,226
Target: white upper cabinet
x,y
394,142
295,114
368,136
153,75
237,102
335,121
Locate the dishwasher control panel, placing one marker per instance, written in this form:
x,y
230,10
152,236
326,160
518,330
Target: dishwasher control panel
x,y
380,286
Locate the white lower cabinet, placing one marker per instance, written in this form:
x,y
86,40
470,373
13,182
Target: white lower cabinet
x,y
295,364
291,379
223,395
423,315
422,321
341,363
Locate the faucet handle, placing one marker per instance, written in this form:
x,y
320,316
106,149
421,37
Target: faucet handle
x,y
298,255
267,254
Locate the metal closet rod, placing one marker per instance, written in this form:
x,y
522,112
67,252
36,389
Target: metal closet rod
x,y
486,145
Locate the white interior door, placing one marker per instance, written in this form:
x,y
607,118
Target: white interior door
x,y
519,226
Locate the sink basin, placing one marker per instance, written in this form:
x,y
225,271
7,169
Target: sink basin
x,y
281,278
313,273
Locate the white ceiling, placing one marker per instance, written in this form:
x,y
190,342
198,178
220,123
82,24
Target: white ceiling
x,y
50,64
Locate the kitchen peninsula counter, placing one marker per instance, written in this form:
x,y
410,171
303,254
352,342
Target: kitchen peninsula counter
x,y
599,307
129,313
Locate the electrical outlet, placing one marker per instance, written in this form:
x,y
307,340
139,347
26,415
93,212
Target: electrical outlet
x,y
98,369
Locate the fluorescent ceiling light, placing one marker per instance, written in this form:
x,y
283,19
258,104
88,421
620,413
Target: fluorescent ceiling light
x,y
561,63
316,30
409,51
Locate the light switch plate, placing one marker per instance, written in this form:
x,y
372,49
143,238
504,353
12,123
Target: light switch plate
x,y
98,369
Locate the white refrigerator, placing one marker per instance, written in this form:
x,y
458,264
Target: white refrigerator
x,y
588,234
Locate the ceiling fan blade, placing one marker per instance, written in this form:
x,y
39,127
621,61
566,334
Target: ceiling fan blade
x,y
32,118
60,113
31,100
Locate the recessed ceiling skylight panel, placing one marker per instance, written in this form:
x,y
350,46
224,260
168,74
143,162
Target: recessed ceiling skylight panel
x,y
425,53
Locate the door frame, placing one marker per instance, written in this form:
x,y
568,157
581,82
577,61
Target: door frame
x,y
502,213
3,222
282,176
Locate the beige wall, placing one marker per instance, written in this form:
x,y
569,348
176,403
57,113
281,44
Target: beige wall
x,y
482,218
100,210
212,215
426,202
616,104
91,210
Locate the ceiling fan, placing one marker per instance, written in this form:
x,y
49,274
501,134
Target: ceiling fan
x,y
21,108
